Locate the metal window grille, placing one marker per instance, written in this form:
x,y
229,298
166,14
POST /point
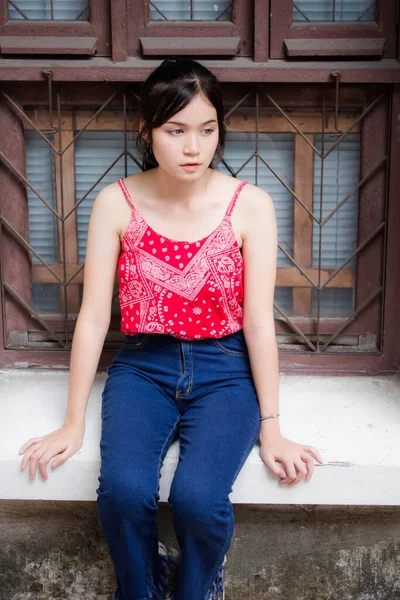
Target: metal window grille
x,y
288,151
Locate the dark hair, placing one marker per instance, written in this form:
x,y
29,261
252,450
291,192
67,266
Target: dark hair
x,y
169,89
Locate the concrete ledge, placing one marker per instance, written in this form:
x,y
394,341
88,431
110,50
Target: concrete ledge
x,y
354,422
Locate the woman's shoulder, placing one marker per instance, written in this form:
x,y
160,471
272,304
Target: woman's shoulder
x,y
254,206
114,206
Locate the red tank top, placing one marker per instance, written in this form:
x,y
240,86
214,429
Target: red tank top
x,y
190,290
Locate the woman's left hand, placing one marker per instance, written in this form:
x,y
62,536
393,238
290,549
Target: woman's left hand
x,y
296,459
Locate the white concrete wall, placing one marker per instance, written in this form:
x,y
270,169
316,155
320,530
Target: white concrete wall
x,y
354,422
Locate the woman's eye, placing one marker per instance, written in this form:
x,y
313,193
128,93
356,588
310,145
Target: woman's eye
x,y
176,131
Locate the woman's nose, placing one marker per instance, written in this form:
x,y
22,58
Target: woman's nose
x,y
192,145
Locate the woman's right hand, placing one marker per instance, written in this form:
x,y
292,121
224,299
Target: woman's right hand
x,y
62,444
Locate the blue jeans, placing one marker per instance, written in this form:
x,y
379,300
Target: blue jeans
x,y
158,388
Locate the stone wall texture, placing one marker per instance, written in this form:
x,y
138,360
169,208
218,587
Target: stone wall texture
x,y
55,551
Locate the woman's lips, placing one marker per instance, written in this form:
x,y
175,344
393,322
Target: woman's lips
x,y
191,167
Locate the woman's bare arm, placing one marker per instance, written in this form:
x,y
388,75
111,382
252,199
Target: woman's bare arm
x,y
259,254
102,251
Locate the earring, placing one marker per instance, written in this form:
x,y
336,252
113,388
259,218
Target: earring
x,y
147,151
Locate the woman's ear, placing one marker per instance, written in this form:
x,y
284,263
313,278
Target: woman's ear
x,y
142,130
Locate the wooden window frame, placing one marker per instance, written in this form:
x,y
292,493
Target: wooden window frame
x,y
15,210
294,39
200,38
57,37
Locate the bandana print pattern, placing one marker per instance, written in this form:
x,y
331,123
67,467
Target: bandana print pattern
x,y
191,290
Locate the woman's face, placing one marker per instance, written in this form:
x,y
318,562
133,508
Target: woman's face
x,y
189,136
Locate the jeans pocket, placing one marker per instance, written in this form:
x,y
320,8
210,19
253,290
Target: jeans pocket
x,y
137,340
233,344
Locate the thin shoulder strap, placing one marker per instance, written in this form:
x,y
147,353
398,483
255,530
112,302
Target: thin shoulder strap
x,y
125,191
235,197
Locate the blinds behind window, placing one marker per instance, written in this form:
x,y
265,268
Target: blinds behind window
x,y
334,10
40,10
340,177
179,10
95,151
277,150
42,223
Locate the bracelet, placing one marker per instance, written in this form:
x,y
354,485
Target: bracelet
x,y
270,416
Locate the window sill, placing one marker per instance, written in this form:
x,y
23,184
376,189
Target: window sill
x,y
208,46
334,47
10,44
352,421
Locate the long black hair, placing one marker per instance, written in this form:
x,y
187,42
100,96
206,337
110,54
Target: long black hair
x,y
169,89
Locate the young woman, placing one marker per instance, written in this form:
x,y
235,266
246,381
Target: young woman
x,y
196,252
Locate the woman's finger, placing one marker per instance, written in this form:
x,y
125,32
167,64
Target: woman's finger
x,y
274,466
34,460
308,459
301,471
290,470
314,452
29,443
43,461
29,453
61,458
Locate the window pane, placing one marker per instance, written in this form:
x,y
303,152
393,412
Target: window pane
x,y
40,173
333,10
47,10
202,10
46,297
341,174
334,302
277,150
95,151
42,222
283,298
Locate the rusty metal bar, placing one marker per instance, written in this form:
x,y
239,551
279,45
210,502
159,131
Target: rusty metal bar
x,y
320,226
23,179
158,10
92,119
14,5
352,317
337,75
289,189
94,185
34,315
18,237
292,123
78,18
354,253
294,327
365,112
49,74
303,14
368,176
296,264
227,114
366,11
24,116
63,241
229,7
